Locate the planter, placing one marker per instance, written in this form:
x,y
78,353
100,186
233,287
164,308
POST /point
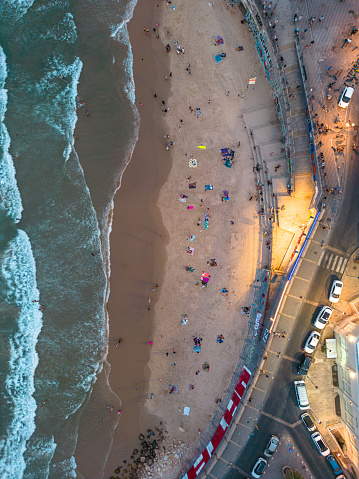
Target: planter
x,y
287,472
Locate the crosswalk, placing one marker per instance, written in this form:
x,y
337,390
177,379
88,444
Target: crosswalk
x,y
332,261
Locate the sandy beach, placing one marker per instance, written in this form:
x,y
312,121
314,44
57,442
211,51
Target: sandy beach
x,y
166,202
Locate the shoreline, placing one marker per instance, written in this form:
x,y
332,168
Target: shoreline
x,y
137,229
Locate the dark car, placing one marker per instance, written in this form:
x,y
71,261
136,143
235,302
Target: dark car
x,y
308,422
304,365
332,461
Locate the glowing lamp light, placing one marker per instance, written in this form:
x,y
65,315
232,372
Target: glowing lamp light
x,y
351,339
352,374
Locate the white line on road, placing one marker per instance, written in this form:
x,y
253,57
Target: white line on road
x,y
339,265
335,262
343,266
329,261
321,257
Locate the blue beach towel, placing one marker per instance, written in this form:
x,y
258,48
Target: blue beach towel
x,y
218,58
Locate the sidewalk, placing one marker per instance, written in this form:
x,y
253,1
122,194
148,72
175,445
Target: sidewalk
x,y
285,79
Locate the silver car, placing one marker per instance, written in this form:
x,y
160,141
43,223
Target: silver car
x,y
271,446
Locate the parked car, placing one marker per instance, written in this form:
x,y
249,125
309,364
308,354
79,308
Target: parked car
x,y
259,467
332,461
271,446
323,317
335,291
312,342
345,97
320,444
301,393
304,365
308,422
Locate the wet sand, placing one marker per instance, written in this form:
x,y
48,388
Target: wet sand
x,y
137,250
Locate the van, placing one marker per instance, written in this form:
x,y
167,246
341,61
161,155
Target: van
x,y
302,396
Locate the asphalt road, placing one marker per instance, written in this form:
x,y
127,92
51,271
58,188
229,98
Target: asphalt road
x,y
281,401
345,234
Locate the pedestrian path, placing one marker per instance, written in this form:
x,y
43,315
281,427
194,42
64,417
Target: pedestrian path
x,y
332,261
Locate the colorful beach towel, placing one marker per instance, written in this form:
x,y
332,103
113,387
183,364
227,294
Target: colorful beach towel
x,y
192,163
192,238
197,348
225,196
208,187
205,224
228,163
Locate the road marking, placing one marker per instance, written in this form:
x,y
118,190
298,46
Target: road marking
x,y
284,356
245,425
329,248
340,262
320,259
289,316
303,279
310,302
259,389
297,423
310,260
288,424
234,442
341,271
328,266
230,465
333,262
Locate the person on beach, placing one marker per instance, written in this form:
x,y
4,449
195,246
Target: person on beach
x,y
119,342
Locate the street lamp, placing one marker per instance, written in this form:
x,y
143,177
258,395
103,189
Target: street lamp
x,y
316,387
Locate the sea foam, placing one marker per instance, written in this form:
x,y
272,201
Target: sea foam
x,y
10,200
19,292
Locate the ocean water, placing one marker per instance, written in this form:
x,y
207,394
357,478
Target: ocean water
x,y
68,125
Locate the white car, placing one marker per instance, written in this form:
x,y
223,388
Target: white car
x,y
335,291
320,443
345,97
312,342
308,422
259,467
271,446
323,317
